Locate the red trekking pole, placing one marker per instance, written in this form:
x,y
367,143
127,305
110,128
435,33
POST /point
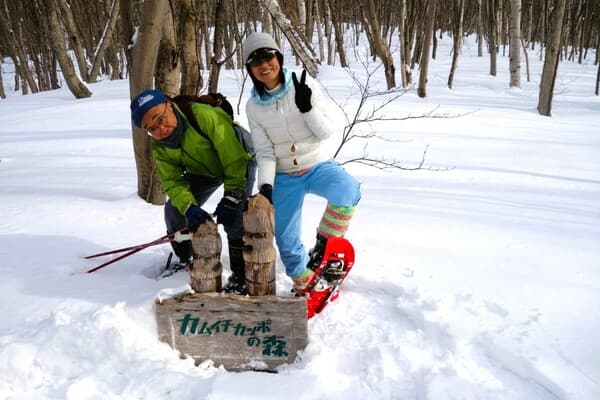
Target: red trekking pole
x,y
131,250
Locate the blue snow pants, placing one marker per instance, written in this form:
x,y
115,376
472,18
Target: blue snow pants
x,y
327,179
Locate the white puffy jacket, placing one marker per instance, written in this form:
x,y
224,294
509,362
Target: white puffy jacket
x,y
287,140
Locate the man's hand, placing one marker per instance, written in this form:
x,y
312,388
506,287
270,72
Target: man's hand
x,y
229,208
194,216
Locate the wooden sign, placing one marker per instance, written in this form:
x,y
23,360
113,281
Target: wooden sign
x,y
238,332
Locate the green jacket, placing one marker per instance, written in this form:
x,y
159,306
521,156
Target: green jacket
x,y
222,156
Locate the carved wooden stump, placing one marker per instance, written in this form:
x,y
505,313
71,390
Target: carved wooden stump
x,y
205,271
259,223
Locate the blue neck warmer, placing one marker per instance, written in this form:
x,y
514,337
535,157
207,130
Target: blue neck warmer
x,y
174,141
269,98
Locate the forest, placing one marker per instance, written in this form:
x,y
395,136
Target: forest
x,y
173,45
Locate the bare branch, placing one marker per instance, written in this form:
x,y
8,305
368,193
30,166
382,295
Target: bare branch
x,y
364,114
385,164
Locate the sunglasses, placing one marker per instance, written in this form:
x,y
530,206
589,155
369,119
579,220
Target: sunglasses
x,y
260,56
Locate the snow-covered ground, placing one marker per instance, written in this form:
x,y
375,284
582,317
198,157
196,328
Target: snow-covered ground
x,y
477,277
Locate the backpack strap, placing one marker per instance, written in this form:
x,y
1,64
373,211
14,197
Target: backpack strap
x,y
184,102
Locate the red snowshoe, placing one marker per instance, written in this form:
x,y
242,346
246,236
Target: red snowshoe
x,y
323,288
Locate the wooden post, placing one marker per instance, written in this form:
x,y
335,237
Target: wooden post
x,y
205,271
259,223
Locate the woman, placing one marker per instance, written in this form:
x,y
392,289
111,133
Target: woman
x,y
290,121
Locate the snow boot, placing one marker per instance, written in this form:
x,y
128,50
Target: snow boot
x,y
316,253
236,283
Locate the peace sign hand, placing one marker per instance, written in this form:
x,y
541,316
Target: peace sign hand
x,y
303,93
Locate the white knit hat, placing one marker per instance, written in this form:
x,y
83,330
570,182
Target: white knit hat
x,y
255,41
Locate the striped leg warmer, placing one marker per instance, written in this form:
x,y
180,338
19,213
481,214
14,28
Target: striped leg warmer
x,y
335,221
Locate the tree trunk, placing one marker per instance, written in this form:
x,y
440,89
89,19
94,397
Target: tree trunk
x,y
296,38
310,21
480,29
57,39
402,43
319,31
515,43
204,25
543,39
526,55
551,59
379,45
422,89
144,56
529,27
301,7
168,70
105,40
492,32
339,35
74,38
329,34
127,29
459,11
189,42
17,53
2,93
266,20
215,60
598,80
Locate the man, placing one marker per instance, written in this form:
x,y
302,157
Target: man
x,y
192,165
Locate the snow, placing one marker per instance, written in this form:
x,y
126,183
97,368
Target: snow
x,y
477,277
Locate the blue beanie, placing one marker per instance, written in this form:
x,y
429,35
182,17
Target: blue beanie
x,y
143,102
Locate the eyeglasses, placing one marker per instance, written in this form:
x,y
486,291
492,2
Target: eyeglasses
x,y
161,120
260,56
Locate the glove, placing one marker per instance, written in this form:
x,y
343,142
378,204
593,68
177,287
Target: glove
x,y
194,216
229,210
267,191
303,93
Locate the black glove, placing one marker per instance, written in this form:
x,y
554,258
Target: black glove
x,y
194,216
267,191
303,93
229,208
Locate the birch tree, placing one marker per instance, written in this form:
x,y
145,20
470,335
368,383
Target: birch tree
x,y
9,27
141,77
215,60
426,54
57,40
105,40
296,39
402,43
75,38
492,34
515,43
189,42
551,60
458,8
378,43
168,69
2,93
